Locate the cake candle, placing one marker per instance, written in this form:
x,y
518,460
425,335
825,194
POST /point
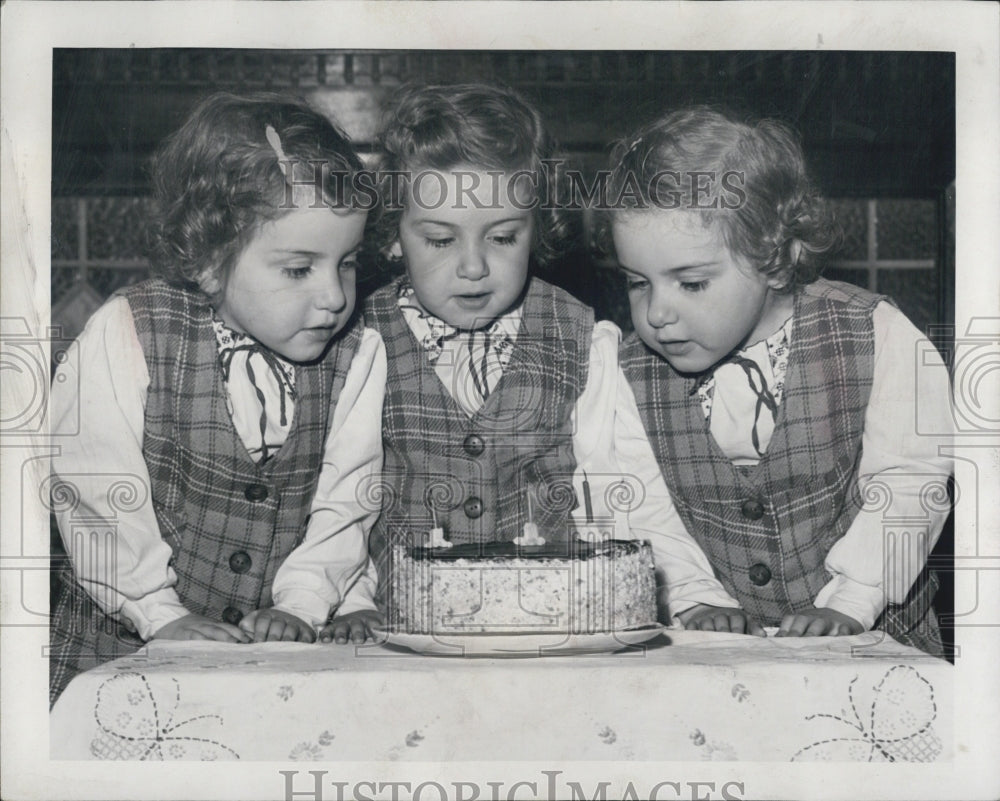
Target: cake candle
x,y
530,535
587,506
436,537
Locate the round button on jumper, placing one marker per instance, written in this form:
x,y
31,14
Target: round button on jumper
x,y
240,562
752,509
255,492
473,507
474,445
232,615
760,574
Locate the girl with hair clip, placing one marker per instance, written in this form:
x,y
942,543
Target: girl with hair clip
x,y
774,405
238,391
501,387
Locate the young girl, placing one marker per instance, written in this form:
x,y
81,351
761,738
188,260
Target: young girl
x,y
237,393
779,406
501,387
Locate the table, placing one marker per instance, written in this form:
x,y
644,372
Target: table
x,y
688,696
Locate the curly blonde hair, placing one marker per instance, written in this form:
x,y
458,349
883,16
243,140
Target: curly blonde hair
x,y
768,210
487,127
218,178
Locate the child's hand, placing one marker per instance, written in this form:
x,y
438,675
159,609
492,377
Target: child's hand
x,y
355,627
271,625
819,622
720,618
198,627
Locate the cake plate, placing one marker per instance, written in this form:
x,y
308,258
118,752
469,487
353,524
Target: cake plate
x,y
519,644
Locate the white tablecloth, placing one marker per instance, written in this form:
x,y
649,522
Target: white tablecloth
x,y
701,697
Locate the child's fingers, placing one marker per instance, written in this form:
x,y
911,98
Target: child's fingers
x,y
799,625
706,623
819,627
724,621
359,631
219,632
326,634
235,632
785,629
279,630
755,628
262,626
737,622
247,621
720,621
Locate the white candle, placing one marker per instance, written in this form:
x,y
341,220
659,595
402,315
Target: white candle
x,y
529,534
435,538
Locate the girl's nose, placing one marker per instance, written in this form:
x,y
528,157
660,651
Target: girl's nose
x,y
660,311
331,296
473,264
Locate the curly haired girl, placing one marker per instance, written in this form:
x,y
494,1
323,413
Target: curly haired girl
x,y
772,400
237,392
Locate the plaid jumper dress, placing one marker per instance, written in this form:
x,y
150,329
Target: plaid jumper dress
x,y
475,471
211,500
768,528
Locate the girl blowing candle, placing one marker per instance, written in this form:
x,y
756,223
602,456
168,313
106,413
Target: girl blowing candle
x,y
501,387
768,399
238,388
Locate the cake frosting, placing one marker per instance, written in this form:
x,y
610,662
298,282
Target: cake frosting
x,y
568,586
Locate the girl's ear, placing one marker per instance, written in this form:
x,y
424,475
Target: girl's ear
x,y
780,281
394,251
209,282
794,252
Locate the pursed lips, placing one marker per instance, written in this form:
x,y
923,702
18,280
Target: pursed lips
x,y
320,329
674,346
474,300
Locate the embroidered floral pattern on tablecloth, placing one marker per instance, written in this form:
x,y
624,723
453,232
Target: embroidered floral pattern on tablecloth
x,y
136,723
312,750
894,724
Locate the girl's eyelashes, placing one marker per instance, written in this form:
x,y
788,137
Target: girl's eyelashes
x,y
504,240
634,284
633,281
297,272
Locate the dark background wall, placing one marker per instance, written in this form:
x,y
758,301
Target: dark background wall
x,y
878,130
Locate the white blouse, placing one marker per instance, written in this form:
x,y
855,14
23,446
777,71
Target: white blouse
x,y
469,363
110,390
867,571
684,575
260,391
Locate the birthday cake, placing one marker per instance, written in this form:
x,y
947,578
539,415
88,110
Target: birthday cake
x,y
574,586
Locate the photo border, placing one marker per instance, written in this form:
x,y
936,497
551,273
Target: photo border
x,y
31,29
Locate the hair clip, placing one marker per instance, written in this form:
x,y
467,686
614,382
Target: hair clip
x,y
283,161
